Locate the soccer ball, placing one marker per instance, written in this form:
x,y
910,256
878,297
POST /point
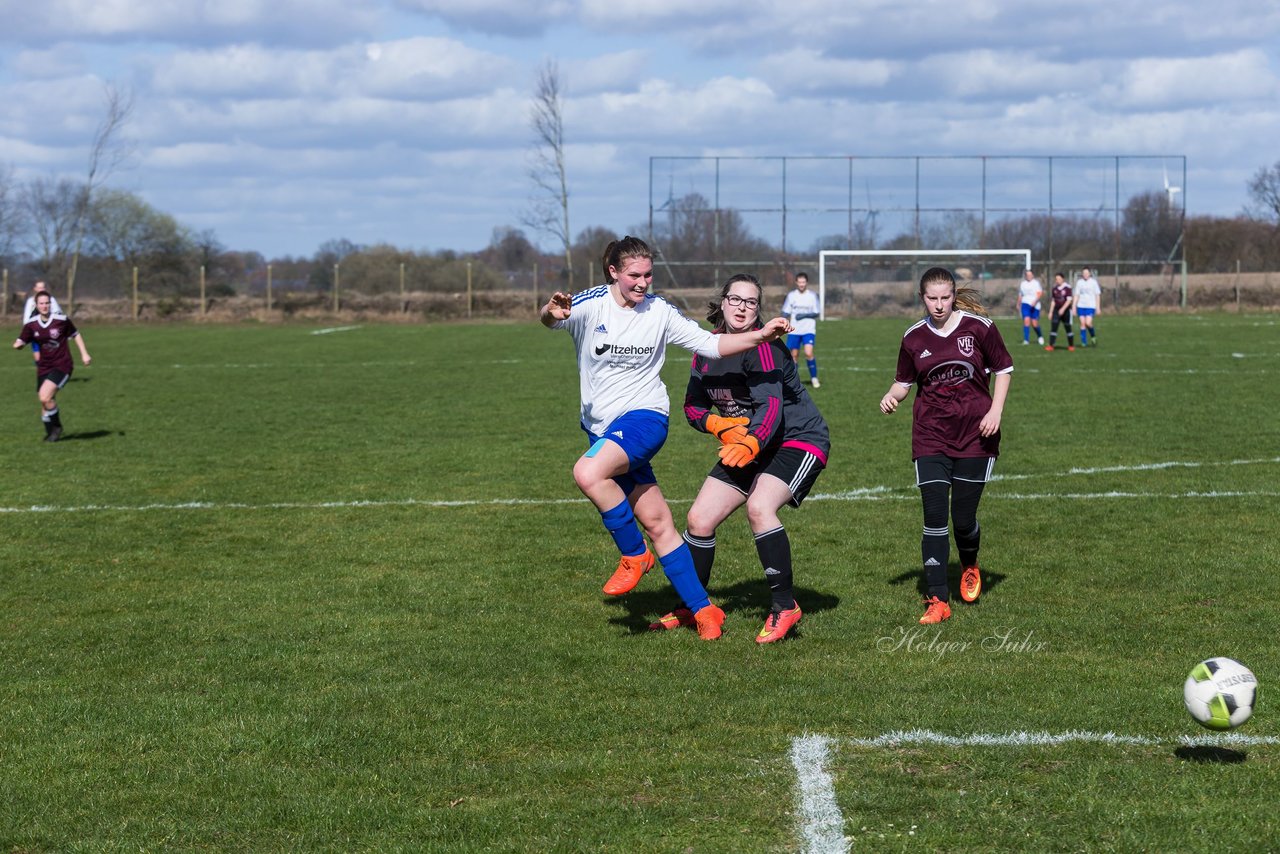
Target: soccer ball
x,y
1220,692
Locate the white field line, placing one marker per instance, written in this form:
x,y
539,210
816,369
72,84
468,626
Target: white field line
x,y
820,819
330,329
874,493
821,824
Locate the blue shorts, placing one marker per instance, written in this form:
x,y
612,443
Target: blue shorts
x,y
794,341
1030,311
640,433
1085,312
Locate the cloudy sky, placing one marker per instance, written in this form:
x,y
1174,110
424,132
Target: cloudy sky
x,y
281,124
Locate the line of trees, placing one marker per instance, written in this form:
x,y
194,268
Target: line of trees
x,y
46,224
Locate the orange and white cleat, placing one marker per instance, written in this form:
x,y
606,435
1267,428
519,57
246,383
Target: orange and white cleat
x,y
778,624
676,619
710,622
935,611
971,583
629,572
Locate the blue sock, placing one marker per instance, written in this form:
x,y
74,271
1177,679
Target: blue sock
x,y
1026,335
813,367
1084,336
621,524
678,565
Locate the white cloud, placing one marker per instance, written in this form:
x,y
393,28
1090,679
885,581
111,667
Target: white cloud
x,y
513,18
1159,83
808,71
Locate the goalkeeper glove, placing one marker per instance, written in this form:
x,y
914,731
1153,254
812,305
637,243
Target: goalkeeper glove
x,y
741,452
727,430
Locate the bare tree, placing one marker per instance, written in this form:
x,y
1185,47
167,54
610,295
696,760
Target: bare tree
x,y
11,224
106,154
50,208
548,211
1264,190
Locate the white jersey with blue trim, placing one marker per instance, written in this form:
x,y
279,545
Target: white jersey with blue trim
x,y
621,352
803,310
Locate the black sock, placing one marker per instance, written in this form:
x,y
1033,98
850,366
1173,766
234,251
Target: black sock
x,y
935,549
967,544
703,550
774,548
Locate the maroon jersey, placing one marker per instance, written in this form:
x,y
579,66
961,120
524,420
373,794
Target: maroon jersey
x,y
1061,294
951,374
54,338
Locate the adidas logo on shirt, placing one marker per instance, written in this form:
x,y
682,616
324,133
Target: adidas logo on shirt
x,y
600,329
617,433
925,353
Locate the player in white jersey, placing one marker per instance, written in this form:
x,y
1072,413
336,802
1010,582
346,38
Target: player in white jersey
x,y
620,331
1086,301
801,306
1029,293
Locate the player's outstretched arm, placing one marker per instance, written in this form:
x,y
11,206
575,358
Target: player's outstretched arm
x,y
84,351
558,308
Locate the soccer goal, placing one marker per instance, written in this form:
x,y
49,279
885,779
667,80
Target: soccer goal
x,y
847,272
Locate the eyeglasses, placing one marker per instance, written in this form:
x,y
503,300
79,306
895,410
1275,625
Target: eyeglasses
x,y
749,302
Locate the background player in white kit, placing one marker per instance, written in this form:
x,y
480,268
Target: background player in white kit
x,y
1086,301
802,308
1029,293
620,332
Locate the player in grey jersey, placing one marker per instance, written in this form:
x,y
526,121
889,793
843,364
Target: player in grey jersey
x,y
774,445
955,425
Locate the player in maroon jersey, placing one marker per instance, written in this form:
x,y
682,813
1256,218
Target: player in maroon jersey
x,y
955,425
52,332
774,444
1061,311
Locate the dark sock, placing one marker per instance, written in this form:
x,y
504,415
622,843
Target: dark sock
x,y
703,550
935,548
967,544
774,548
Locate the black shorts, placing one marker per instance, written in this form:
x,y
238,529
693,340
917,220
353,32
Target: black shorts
x,y
797,468
940,469
54,376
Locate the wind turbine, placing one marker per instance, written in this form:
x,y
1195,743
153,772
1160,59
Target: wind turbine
x,y
1170,191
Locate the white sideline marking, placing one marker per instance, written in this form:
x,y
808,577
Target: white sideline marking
x,y
329,329
899,738
821,823
872,493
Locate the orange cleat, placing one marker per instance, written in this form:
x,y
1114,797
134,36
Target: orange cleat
x,y
778,624
710,621
1071,348
677,618
935,611
971,583
1048,348
628,574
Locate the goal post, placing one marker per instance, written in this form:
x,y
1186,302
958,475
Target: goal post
x,y
910,255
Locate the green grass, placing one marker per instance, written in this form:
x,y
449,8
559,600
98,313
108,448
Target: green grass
x,y
282,591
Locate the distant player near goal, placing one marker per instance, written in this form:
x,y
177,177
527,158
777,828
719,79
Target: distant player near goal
x,y
1086,302
1029,293
1061,294
802,307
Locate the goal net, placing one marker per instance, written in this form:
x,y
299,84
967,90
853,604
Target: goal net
x,y
886,281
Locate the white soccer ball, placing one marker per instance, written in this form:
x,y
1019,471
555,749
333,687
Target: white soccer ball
x,y
1220,693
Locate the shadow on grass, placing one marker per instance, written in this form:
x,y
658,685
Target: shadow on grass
x,y
640,607
990,581
90,434
1211,753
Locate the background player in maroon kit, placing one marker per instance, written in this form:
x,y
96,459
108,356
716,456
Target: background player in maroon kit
x,y
52,332
955,426
774,444
1061,311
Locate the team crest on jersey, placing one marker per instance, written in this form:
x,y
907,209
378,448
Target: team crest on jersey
x,y
54,332
965,345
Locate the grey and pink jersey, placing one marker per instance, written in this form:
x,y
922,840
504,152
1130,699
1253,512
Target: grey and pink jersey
x,y
54,338
760,384
951,374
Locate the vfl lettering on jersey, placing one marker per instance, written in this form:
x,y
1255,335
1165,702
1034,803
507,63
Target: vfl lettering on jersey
x,y
950,373
965,344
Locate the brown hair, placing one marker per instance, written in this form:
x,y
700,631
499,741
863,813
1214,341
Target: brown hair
x,y
620,250
967,299
715,308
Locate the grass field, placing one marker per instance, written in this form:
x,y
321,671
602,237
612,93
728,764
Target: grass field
x,y
283,590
